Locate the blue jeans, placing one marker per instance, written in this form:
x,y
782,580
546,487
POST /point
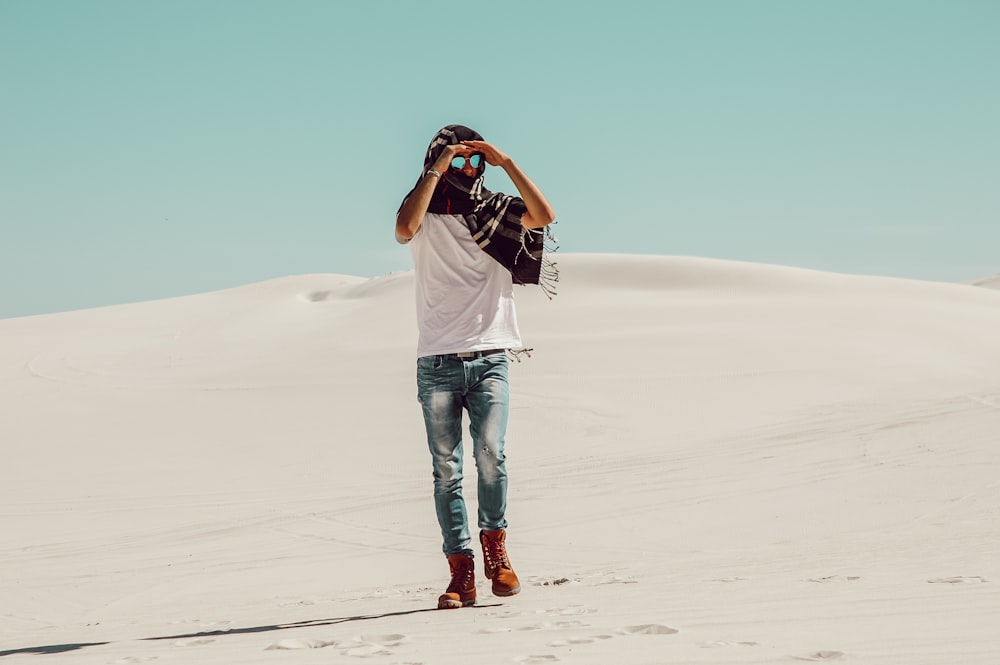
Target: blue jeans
x,y
445,386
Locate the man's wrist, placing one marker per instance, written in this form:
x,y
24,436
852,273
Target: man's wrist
x,y
433,173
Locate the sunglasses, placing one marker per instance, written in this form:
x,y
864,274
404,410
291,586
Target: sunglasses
x,y
474,161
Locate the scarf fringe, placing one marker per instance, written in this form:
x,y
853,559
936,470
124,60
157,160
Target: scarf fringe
x,y
548,277
515,354
548,271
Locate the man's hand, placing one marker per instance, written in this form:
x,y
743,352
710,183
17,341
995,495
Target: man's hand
x,y
443,162
490,152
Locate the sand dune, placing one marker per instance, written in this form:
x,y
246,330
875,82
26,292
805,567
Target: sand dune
x,y
988,282
711,462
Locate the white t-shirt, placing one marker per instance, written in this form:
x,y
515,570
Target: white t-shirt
x,y
465,299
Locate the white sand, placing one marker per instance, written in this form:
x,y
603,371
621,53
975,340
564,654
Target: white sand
x,y
711,462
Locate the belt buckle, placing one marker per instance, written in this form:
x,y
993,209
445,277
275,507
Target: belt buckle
x,y
467,354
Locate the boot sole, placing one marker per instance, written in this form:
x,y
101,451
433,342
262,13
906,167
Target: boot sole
x,y
455,604
504,594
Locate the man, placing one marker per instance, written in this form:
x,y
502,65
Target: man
x,y
469,246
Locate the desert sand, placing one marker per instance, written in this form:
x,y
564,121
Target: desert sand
x,y
711,462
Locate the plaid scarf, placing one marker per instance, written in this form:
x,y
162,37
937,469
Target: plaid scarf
x,y
494,220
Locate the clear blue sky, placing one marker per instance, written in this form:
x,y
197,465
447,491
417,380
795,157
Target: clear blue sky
x,y
154,149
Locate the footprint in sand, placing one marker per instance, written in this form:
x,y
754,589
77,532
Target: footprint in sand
x,y
958,580
821,656
366,651
589,580
576,623
557,581
712,645
298,603
618,580
386,640
649,629
289,645
365,646
545,625
572,611
574,641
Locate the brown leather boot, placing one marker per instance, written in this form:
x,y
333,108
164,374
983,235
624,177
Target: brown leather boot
x,y
496,563
462,590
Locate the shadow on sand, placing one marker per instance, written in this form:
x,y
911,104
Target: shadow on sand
x,y
62,648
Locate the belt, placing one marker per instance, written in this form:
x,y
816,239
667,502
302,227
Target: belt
x,y
468,355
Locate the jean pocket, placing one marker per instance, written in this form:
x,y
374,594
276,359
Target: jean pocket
x,y
498,359
429,363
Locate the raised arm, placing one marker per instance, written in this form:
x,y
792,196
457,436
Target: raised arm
x,y
540,212
415,207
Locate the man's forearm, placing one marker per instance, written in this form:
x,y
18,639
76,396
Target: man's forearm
x,y
414,208
540,212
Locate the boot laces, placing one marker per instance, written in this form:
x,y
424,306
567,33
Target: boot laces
x,y
461,576
495,554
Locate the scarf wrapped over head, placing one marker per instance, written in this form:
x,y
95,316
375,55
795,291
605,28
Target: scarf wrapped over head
x,y
493,219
